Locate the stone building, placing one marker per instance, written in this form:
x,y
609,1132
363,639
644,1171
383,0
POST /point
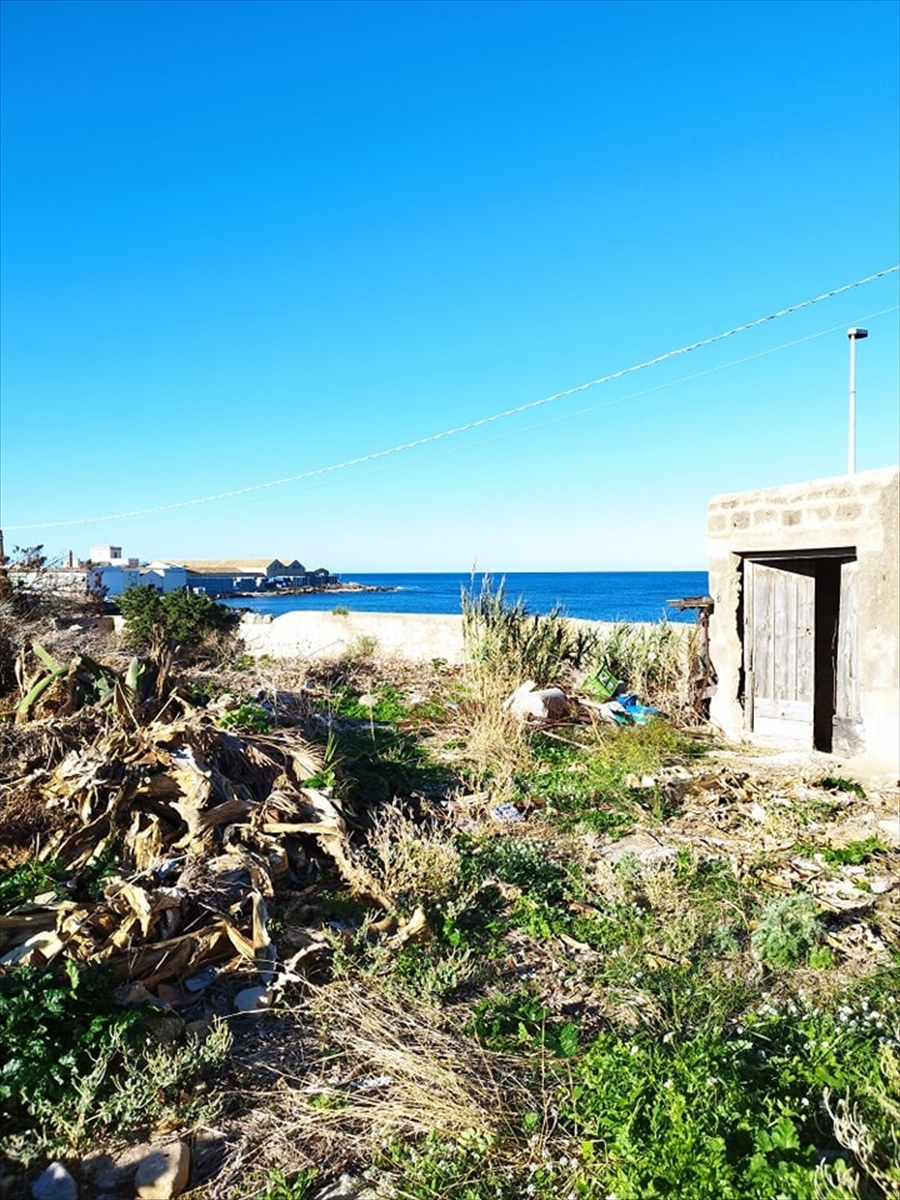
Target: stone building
x,y
805,633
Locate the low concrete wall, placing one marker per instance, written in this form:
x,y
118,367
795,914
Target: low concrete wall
x,y
417,637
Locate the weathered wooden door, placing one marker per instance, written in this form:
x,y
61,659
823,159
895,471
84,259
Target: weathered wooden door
x,y
848,726
779,651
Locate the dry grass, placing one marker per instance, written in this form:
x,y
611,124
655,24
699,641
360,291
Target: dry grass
x,y
488,746
413,862
354,1068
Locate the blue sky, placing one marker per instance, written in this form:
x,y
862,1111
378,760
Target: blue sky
x,y
247,241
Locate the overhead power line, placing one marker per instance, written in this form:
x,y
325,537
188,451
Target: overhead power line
x,y
628,397
476,424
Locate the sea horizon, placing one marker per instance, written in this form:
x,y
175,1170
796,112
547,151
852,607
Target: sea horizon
x,y
585,595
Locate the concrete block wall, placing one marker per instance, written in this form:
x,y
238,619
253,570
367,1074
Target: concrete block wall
x,y
854,511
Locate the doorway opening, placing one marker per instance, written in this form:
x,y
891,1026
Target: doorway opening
x,y
800,648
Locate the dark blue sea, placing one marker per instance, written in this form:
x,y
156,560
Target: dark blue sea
x,y
589,595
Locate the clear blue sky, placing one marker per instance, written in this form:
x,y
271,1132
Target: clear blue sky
x,y
244,241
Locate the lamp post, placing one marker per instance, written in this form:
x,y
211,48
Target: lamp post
x,y
854,335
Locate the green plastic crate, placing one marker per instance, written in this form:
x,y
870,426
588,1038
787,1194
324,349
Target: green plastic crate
x,y
601,684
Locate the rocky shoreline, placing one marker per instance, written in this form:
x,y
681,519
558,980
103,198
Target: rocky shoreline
x,y
338,588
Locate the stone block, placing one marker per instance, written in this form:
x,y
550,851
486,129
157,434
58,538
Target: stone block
x,y
765,516
848,512
164,1173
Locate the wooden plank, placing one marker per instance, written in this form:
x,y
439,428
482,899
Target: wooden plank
x,y
847,690
848,731
779,636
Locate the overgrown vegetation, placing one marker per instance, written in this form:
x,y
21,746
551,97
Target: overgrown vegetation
x,y
503,960
180,617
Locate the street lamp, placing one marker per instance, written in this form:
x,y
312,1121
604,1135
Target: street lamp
x,y
854,335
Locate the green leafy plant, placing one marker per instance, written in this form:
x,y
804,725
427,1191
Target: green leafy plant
x,y
75,1064
27,880
250,718
854,853
292,1185
522,1019
51,1025
836,783
788,931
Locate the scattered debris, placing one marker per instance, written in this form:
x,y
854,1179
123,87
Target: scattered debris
x,y
545,704
506,812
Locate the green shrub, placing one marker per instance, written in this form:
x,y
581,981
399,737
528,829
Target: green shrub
x,y
182,617
51,1025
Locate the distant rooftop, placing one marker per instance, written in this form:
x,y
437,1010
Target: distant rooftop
x,y
239,566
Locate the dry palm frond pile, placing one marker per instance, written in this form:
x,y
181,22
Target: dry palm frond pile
x,y
169,837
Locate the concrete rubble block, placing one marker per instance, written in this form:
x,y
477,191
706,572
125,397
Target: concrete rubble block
x,y
164,1173
54,1184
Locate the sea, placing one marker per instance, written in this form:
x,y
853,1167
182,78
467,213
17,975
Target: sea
x,y
588,595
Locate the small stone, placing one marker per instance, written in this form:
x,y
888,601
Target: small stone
x,y
345,1188
164,1172
253,999
113,1171
55,1184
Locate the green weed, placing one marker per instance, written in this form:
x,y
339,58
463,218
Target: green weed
x,y
836,783
27,880
589,787
75,1063
854,853
788,932
249,718
520,1021
297,1185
